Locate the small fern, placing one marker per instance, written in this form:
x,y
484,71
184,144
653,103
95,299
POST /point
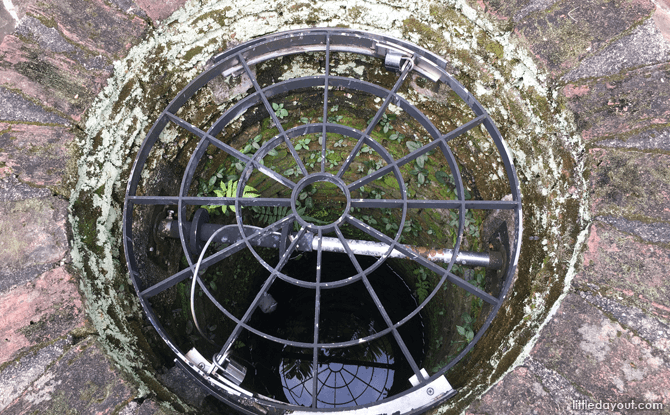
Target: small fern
x,y
270,214
229,189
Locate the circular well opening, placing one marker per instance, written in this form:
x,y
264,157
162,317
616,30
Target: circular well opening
x,y
381,274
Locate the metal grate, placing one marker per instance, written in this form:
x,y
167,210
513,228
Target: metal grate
x,y
316,370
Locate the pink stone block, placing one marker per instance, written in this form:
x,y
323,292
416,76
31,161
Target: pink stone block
x,y
52,292
159,10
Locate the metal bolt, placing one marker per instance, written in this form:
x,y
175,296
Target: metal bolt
x,y
430,391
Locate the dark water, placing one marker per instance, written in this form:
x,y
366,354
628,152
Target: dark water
x,y
349,376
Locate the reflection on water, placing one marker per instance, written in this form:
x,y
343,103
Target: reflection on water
x,y
341,381
356,375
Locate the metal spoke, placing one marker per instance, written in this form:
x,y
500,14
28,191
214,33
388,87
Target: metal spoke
x,y
325,109
209,261
271,111
376,118
266,286
247,201
349,389
215,141
435,204
230,150
300,384
317,313
208,201
418,152
380,306
419,259
324,382
188,272
369,384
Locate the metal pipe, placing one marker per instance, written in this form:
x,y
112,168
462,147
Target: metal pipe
x,y
493,260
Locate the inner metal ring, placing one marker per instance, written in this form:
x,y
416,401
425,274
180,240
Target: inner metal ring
x,y
312,179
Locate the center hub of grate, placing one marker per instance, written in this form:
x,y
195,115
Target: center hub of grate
x,y
321,201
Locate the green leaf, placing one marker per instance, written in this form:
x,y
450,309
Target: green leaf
x,y
289,172
273,153
212,180
420,161
443,178
421,178
275,106
461,330
258,138
412,145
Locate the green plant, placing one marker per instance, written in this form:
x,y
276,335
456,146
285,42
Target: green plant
x,y
229,189
479,279
389,225
397,136
279,109
206,186
385,122
332,119
444,179
421,175
466,329
414,146
423,285
292,171
369,219
270,214
303,144
253,145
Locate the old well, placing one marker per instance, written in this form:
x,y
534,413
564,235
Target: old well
x,y
285,139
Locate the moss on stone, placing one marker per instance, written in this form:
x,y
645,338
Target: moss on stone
x,y
218,16
192,52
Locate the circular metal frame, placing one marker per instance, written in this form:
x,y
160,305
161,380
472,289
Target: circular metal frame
x,y
239,59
